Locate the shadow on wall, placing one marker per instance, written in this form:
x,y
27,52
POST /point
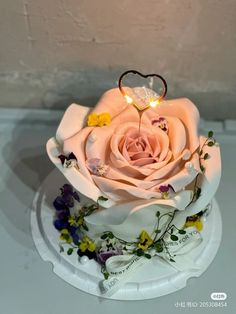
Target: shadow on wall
x,y
58,88
27,165
24,155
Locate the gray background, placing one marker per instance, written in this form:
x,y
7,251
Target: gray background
x,y
58,51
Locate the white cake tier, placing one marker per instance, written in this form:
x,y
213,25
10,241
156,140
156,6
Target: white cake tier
x,y
156,278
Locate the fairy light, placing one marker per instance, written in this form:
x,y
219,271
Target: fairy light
x,y
128,99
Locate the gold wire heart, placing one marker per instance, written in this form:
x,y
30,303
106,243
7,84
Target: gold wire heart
x,y
130,100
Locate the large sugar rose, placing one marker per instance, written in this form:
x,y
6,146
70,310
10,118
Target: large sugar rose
x,y
157,164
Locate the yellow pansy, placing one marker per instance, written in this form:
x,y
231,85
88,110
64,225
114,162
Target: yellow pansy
x,y
87,244
194,221
65,236
73,221
144,240
99,119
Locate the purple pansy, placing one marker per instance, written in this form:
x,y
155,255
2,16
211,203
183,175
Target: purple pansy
x,y
62,204
102,257
161,123
164,188
68,161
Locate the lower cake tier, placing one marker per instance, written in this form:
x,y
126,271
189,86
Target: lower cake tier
x,y
156,276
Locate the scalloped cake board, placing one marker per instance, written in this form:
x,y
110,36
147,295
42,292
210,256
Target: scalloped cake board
x,y
154,279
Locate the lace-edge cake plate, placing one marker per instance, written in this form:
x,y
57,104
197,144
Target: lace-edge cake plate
x,y
155,279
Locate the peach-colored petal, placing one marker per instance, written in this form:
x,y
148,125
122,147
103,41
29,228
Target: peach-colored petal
x,y
73,120
112,102
120,161
186,111
177,136
112,188
169,169
185,176
76,144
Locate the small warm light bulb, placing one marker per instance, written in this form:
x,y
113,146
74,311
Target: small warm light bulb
x,y
153,104
128,99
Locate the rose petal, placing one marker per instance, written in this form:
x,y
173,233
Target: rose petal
x,y
184,110
73,120
76,144
111,101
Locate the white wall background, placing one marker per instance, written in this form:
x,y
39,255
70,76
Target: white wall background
x,y
56,51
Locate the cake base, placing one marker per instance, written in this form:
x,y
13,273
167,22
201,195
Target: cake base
x,y
154,279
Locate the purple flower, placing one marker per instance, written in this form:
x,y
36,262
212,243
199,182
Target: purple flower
x,y
160,122
74,234
68,195
63,158
164,188
59,203
96,166
102,257
89,254
60,224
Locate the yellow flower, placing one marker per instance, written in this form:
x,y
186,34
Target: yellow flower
x,y
65,236
99,119
104,119
144,240
87,244
194,221
80,221
92,119
73,221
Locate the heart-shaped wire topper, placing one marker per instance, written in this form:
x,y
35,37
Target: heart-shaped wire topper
x,y
147,97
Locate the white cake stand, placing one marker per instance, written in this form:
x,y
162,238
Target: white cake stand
x,y
154,279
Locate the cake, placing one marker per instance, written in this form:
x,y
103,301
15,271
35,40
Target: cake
x,y
133,189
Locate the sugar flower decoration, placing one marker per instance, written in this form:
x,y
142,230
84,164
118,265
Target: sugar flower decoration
x,y
101,119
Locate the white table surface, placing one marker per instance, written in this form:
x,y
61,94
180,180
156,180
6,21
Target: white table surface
x,y
27,283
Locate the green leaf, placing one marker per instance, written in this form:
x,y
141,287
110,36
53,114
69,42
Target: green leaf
x,y
158,247
104,236
69,251
182,231
106,275
110,235
148,256
202,168
157,231
174,237
139,252
102,198
172,260
85,227
210,134
206,156
158,213
211,143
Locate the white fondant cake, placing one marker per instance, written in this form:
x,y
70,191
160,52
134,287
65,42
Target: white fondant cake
x,y
138,183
